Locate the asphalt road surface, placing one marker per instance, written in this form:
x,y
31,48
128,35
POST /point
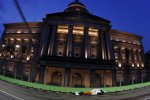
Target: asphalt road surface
x,y
12,92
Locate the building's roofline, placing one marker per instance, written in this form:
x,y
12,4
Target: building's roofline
x,y
23,24
127,33
69,13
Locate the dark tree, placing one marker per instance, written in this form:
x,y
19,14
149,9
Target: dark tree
x,y
147,58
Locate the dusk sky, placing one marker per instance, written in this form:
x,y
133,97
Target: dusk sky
x,y
127,15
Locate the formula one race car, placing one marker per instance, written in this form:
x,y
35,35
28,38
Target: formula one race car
x,y
91,92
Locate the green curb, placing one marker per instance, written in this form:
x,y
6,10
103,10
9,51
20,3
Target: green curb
x,y
70,89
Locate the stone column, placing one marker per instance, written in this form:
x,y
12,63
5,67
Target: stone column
x,y
69,41
29,48
99,45
42,73
132,57
119,56
103,45
114,77
93,78
137,58
46,39
21,68
86,40
110,50
67,77
52,39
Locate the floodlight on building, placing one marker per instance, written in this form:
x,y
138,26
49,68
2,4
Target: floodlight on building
x,y
142,65
17,46
11,56
132,65
138,65
119,65
28,58
3,45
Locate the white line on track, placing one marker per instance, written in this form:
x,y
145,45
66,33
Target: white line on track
x,y
147,98
11,95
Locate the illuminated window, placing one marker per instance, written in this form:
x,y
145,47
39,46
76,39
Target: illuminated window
x,y
116,39
19,31
78,30
123,41
12,39
18,39
93,32
26,39
62,29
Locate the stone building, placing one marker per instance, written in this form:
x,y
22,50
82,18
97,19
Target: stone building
x,y
72,48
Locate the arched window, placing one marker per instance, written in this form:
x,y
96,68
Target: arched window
x,y
56,78
77,80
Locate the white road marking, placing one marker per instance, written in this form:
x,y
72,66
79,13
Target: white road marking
x,y
11,95
147,98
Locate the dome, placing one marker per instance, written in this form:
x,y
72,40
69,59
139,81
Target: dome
x,y
76,6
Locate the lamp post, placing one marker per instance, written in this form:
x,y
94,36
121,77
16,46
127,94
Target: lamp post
x,y
142,78
3,70
120,81
15,73
133,78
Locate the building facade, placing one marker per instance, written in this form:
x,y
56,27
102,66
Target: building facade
x,y
72,48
